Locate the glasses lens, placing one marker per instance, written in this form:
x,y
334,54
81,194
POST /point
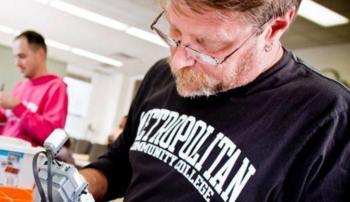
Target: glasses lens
x,y
209,60
202,57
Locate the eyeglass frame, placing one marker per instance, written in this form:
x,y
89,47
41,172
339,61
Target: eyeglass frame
x,y
198,55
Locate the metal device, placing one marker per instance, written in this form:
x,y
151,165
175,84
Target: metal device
x,y
57,181
55,141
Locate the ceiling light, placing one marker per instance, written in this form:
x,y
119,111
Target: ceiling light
x,y
43,1
96,57
57,45
105,21
88,15
148,36
6,29
65,47
320,14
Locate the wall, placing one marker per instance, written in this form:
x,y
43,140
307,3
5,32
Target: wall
x,y
128,96
337,57
110,100
9,73
106,94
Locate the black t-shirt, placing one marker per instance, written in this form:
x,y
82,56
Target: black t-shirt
x,y
282,137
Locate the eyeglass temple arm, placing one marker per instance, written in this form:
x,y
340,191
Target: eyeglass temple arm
x,y
156,20
244,42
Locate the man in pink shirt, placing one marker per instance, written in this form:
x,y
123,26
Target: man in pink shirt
x,y
38,104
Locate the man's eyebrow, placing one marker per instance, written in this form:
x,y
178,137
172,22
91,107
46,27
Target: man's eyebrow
x,y
216,38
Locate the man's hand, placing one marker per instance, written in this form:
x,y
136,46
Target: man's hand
x,y
7,101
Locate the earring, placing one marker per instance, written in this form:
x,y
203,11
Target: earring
x,y
268,47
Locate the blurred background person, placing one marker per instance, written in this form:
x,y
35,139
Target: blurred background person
x,y
38,104
117,131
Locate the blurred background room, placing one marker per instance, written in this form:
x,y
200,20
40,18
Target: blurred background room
x,y
103,48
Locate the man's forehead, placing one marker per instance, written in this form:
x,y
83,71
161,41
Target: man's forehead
x,y
208,25
21,48
177,12
182,8
21,43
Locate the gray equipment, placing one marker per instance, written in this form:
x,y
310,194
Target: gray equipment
x,y
57,181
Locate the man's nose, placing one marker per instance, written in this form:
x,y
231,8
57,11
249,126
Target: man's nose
x,y
181,58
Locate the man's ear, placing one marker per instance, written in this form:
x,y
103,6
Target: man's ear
x,y
41,53
279,26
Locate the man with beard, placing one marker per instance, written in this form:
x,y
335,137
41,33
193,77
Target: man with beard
x,y
231,115
38,104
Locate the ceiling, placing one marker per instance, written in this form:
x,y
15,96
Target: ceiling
x,y
136,54
306,34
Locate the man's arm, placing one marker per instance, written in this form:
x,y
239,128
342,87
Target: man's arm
x,y
329,178
97,183
54,114
321,170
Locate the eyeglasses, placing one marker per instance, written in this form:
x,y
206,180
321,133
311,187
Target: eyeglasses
x,y
195,53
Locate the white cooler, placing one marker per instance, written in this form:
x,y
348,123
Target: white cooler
x,y
16,158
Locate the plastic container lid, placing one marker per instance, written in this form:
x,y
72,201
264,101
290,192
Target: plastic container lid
x,y
18,145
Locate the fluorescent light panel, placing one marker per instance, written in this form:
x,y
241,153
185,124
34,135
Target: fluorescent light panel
x,y
43,1
7,30
64,47
308,9
147,36
96,57
105,21
57,45
88,15
320,14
